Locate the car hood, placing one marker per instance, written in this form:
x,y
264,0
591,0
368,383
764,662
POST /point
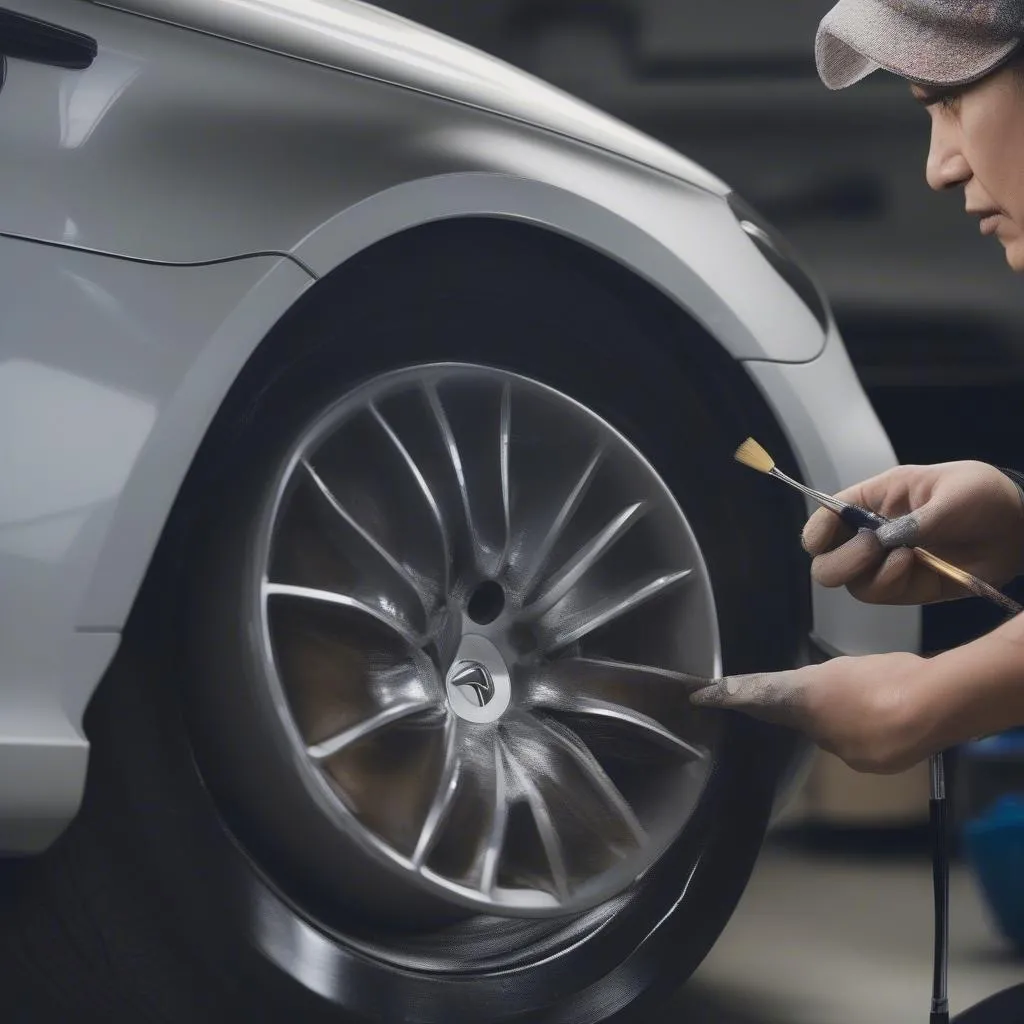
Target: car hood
x,y
362,39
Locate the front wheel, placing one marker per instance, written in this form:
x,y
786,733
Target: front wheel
x,y
397,731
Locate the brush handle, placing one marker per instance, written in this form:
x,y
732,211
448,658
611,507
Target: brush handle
x,y
861,519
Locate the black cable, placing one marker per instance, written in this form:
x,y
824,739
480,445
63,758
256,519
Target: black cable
x,y
940,881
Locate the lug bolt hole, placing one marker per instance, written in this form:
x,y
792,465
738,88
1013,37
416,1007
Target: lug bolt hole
x,y
487,603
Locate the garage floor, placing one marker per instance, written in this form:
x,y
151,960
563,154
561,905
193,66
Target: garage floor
x,y
837,939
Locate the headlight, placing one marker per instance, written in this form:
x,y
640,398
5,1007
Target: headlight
x,y
779,254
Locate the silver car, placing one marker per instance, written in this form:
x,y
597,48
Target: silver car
x,y
366,420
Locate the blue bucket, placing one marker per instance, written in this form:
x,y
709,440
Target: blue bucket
x,y
994,844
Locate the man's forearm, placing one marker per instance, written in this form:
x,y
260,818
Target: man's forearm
x,y
979,687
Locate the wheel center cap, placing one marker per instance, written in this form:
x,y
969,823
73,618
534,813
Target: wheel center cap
x,y
479,685
474,682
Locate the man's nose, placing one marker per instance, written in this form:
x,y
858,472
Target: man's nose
x,y
947,166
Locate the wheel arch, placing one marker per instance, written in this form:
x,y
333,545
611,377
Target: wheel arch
x,y
139,543
650,275
682,335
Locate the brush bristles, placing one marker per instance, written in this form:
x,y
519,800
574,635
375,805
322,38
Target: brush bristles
x,y
751,454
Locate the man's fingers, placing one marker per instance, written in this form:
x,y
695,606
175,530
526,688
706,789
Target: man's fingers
x,y
846,563
886,493
772,696
891,581
824,531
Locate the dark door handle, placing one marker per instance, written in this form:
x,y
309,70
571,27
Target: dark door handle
x,y
848,197
39,42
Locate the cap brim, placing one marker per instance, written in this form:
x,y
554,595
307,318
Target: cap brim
x,y
858,37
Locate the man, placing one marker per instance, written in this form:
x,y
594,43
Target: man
x,y
884,713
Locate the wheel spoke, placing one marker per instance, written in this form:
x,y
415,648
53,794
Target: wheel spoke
x,y
563,633
447,787
546,829
400,570
467,834
343,601
637,720
335,672
642,697
598,799
424,487
452,448
506,484
499,822
559,522
584,560
328,748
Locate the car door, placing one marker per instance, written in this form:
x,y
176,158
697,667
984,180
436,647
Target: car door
x,y
37,58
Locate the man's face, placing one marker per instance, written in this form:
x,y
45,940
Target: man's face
x,y
978,142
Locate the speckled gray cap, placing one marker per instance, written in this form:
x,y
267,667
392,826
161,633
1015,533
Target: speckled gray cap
x,y
931,42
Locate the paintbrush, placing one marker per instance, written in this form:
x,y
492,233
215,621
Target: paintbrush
x,y
751,454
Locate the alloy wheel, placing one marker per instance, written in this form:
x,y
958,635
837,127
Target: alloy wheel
x,y
476,600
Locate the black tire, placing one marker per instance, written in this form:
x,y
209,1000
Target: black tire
x,y
147,909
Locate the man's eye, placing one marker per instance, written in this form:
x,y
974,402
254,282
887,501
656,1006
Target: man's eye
x,y
950,103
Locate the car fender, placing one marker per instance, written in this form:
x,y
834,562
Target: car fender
x,y
188,405
176,146
173,270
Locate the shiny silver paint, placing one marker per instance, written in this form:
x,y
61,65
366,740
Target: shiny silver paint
x,y
179,148
356,37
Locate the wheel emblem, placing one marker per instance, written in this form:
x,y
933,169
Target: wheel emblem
x,y
474,682
479,684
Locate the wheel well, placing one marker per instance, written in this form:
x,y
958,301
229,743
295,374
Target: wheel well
x,y
429,249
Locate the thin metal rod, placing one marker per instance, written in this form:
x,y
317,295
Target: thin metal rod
x,y
831,503
976,586
940,881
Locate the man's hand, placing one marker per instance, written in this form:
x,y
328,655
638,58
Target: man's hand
x,y
878,713
884,713
966,512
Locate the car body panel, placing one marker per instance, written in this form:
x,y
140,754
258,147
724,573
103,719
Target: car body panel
x,y
365,40
99,424
171,208
205,128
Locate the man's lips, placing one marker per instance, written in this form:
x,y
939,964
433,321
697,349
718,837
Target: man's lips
x,y
988,217
989,223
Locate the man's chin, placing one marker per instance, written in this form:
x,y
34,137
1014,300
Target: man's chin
x,y
1015,254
